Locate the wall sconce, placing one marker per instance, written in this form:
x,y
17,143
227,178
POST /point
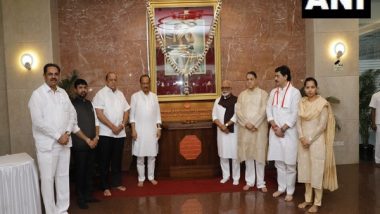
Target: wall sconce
x,y
339,50
27,61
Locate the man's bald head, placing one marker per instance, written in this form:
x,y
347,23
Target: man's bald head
x,y
226,84
111,80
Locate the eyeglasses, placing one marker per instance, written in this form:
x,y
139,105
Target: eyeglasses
x,y
226,88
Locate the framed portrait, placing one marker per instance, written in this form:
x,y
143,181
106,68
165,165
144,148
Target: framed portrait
x,y
184,28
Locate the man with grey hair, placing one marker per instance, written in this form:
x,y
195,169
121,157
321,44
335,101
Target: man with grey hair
x,y
223,115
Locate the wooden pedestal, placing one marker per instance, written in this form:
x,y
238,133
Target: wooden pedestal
x,y
181,163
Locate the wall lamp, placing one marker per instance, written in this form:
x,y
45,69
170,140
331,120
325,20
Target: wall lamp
x,y
27,61
339,50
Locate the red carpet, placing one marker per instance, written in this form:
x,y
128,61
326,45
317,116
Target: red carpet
x,y
181,186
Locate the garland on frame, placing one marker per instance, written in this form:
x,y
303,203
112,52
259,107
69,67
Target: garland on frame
x,y
159,39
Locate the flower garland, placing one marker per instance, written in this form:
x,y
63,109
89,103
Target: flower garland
x,y
210,39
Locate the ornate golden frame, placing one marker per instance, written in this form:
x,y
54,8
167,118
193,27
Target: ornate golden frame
x,y
152,50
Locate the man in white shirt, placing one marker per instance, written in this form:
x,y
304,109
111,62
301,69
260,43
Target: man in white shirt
x,y
112,111
375,123
282,109
146,129
223,115
53,119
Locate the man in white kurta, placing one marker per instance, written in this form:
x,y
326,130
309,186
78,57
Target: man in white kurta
x,y
375,123
253,132
223,115
112,111
145,119
53,119
282,109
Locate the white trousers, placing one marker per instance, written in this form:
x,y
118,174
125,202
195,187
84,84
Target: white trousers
x,y
54,169
377,146
225,165
141,168
251,171
286,177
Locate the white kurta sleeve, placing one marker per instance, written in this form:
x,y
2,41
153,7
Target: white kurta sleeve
x,y
269,108
35,106
292,117
73,121
214,110
132,114
372,104
72,125
158,116
96,118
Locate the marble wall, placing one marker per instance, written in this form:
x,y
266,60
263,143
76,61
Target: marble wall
x,y
103,35
27,27
4,124
321,35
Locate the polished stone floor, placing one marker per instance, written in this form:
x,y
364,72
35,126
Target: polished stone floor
x,y
359,192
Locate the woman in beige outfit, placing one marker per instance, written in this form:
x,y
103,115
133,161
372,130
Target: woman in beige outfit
x,y
316,130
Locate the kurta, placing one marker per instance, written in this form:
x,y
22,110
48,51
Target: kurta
x,y
313,124
282,107
227,143
145,113
251,108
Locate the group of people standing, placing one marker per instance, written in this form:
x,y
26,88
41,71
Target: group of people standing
x,y
98,133
301,130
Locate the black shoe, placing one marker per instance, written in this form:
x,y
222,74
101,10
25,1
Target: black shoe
x,y
92,200
82,205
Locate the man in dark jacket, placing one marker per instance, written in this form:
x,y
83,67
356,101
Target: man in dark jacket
x,y
83,151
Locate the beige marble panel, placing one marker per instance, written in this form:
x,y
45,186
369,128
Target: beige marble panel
x,y
23,143
20,122
17,76
25,20
4,126
334,25
346,89
324,62
349,152
5,146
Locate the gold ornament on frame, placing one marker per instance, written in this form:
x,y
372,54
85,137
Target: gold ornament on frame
x,y
181,37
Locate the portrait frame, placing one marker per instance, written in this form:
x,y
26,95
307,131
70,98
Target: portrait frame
x,y
184,42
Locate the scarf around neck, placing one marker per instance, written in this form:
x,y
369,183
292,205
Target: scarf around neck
x,y
309,112
229,104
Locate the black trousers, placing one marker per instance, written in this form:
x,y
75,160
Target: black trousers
x,y
110,155
84,173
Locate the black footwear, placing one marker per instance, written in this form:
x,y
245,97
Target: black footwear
x,y
82,205
92,200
